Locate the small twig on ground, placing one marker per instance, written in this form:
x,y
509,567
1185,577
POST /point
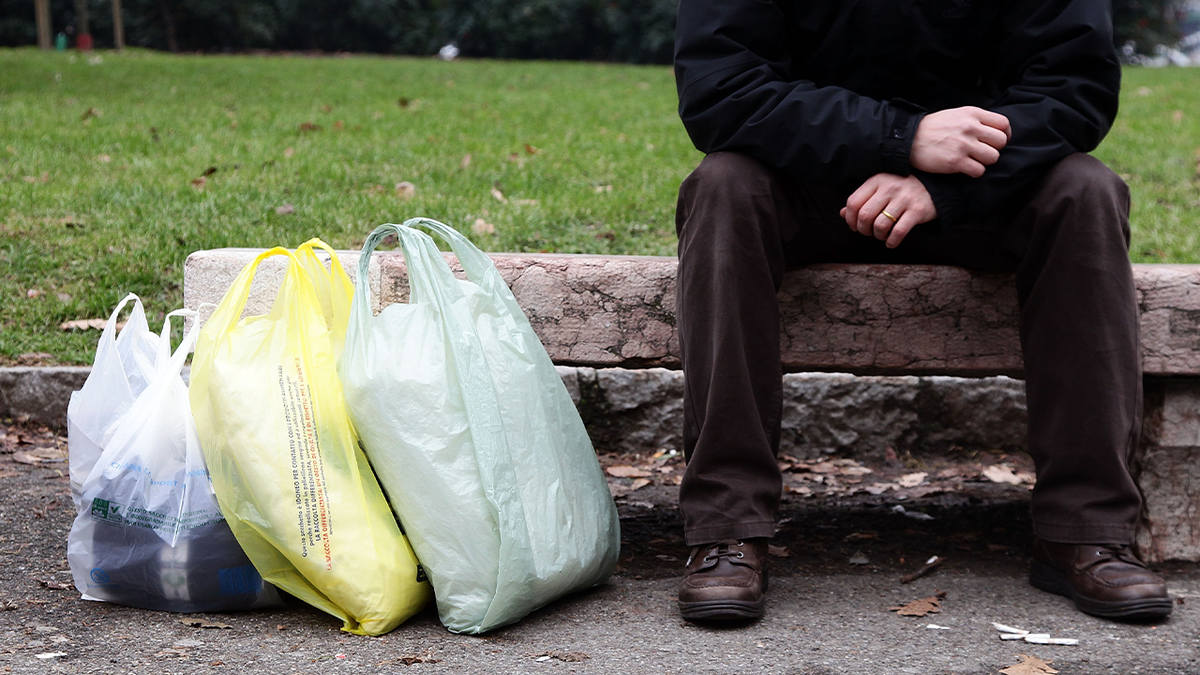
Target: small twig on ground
x,y
929,566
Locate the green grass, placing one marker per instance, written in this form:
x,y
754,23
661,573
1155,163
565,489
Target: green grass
x,y
608,156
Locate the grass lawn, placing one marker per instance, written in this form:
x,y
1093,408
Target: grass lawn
x,y
114,168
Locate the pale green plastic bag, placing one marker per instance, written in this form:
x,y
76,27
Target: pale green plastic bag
x,y
474,438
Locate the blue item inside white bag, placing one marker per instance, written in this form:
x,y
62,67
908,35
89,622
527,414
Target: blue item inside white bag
x,y
148,532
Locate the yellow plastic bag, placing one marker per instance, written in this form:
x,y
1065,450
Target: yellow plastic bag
x,y
286,467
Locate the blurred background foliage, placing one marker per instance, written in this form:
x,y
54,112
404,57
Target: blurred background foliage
x,y
632,31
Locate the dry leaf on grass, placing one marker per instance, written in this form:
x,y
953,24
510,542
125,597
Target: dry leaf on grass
x,y
499,196
309,126
405,190
87,324
465,162
930,605
482,227
288,152
1030,665
286,209
626,471
199,183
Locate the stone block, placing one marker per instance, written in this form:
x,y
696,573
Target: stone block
x,y
619,311
40,394
1167,470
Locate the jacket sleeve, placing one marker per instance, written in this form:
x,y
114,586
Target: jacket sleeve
x,y
1057,79
736,92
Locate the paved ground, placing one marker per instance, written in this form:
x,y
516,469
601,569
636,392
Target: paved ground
x,y
825,616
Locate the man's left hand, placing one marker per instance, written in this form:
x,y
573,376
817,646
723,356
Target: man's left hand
x,y
904,199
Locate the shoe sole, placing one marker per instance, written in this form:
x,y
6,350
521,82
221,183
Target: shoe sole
x,y
1051,580
722,610
726,610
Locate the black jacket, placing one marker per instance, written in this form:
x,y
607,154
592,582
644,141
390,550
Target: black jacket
x,y
831,90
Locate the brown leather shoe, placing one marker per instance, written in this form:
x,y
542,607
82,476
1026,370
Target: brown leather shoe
x,y
1104,580
725,581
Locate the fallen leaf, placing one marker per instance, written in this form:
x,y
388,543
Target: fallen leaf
x,y
203,623
859,536
530,149
880,488
482,227
929,605
855,471
209,171
339,125
90,113
288,152
104,159
410,660
626,471
499,195
799,490
569,657
44,178
326,108
525,202
286,209
39,456
87,324
34,357
63,297
33,293
1001,473
402,102
1030,665
466,161
55,585
639,484
859,558
778,551
1177,116
405,190
199,183
307,127
912,479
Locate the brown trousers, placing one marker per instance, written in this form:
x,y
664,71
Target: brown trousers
x,y
741,225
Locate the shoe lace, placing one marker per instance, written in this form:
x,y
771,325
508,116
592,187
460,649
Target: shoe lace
x,y
1115,553
723,549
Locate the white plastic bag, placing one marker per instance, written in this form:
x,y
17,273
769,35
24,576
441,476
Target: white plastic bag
x,y
123,365
149,532
475,439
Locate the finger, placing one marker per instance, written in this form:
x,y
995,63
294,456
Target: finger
x,y
870,211
996,121
993,137
984,154
971,167
908,220
883,225
855,203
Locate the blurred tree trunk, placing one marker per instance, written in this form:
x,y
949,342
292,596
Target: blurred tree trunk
x,y
168,15
118,26
41,10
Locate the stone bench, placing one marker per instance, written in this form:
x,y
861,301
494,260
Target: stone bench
x,y
905,327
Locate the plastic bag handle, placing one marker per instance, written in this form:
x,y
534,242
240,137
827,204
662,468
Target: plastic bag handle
x,y
234,302
108,337
172,363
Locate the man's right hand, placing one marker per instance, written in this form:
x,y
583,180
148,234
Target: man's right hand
x,y
960,140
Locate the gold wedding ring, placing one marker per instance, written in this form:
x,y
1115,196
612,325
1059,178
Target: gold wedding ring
x,y
890,217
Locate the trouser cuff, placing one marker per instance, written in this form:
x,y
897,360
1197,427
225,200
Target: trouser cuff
x,y
697,536
1083,533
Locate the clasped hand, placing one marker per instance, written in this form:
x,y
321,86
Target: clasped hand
x,y
960,140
